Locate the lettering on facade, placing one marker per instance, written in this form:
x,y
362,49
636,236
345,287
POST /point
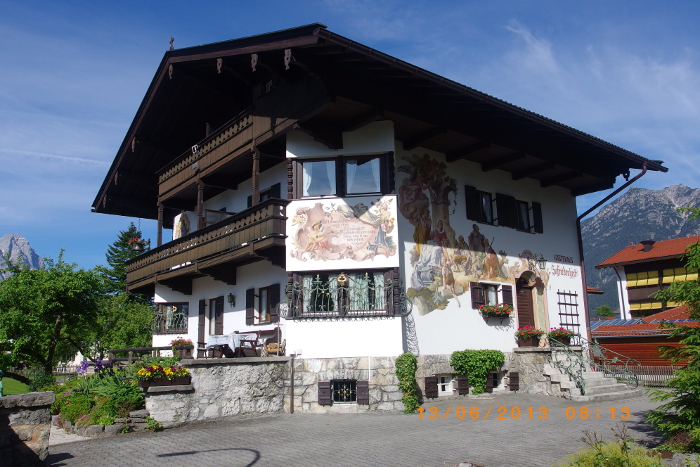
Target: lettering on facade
x,y
564,259
563,271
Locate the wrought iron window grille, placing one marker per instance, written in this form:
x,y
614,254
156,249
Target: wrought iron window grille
x,y
344,391
170,318
345,296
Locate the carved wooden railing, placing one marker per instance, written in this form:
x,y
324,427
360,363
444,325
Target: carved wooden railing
x,y
264,220
237,133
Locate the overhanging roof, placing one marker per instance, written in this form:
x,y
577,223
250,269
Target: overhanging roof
x,y
210,84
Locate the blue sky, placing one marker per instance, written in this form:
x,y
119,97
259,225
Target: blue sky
x,y
72,75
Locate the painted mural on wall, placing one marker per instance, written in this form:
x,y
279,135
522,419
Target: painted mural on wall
x,y
181,225
342,233
443,261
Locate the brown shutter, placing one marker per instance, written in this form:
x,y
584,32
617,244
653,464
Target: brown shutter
x,y
201,320
489,383
507,210
324,393
507,294
362,392
249,201
477,295
219,316
462,385
250,307
275,190
472,201
537,217
275,291
392,293
431,387
514,384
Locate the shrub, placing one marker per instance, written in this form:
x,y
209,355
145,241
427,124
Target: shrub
x,y
41,380
406,366
76,404
476,366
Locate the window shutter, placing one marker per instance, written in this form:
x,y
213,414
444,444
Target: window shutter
x,y
507,210
477,295
362,388
537,217
514,384
507,294
431,387
201,320
275,190
275,291
472,201
324,393
219,316
250,201
392,292
489,383
250,307
462,385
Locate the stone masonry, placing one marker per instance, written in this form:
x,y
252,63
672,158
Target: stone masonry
x,y
25,426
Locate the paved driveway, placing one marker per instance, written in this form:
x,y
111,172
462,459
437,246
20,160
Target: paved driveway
x,y
516,439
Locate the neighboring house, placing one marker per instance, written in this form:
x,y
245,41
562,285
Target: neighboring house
x,y
646,268
641,338
370,204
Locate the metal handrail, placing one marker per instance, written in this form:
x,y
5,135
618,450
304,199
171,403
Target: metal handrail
x,y
569,361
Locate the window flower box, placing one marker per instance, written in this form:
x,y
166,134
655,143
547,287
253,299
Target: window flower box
x,y
496,311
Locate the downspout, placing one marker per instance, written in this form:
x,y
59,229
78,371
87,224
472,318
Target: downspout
x,y
580,241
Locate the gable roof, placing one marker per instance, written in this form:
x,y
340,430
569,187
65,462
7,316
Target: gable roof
x,y
663,249
652,325
208,85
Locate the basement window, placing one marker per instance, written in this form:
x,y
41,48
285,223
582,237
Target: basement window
x,y
344,391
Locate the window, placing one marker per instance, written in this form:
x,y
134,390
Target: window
x,y
326,294
523,218
171,318
509,211
216,316
343,391
445,385
272,192
262,305
344,175
488,294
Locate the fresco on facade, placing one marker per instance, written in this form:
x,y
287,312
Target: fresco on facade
x,y
333,231
444,262
181,225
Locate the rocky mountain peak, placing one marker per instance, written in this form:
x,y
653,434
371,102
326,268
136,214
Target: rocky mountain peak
x,y
19,249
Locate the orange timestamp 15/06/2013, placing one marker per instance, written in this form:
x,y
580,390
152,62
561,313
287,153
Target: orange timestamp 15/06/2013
x,y
504,413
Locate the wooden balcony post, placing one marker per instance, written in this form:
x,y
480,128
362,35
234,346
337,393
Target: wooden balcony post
x,y
200,204
255,196
160,224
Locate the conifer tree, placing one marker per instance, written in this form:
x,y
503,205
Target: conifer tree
x,y
118,253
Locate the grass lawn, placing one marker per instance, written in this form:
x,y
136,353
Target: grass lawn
x,y
12,386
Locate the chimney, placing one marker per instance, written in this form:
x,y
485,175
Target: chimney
x,y
648,244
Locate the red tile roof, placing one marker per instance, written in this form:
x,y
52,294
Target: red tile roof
x,y
671,314
593,290
648,328
661,250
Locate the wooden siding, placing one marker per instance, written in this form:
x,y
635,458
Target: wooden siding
x,y
216,244
645,349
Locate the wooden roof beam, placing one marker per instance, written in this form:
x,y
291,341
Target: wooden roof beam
x,y
330,136
532,170
560,178
352,124
501,161
462,153
413,143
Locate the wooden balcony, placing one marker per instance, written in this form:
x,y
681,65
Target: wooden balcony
x,y
258,233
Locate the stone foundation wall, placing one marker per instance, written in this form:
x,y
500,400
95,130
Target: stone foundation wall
x,y
25,426
529,362
222,387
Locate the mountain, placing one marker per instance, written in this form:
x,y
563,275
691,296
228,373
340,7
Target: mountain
x,y
637,215
19,248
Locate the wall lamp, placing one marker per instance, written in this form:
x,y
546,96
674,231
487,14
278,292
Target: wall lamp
x,y
231,300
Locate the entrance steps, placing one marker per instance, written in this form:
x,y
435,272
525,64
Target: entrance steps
x,y
598,386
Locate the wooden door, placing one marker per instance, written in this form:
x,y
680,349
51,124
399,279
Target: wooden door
x,y
526,310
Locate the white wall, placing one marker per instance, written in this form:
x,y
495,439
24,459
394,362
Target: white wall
x,y
458,326
622,297
372,138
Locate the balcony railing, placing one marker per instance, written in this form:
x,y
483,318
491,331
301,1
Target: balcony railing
x,y
236,134
255,228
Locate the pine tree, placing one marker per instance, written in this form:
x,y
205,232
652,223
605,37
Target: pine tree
x,y
118,253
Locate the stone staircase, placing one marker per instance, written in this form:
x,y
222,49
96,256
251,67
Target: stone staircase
x,y
598,386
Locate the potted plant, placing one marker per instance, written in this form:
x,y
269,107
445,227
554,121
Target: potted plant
x,y
561,335
496,311
157,375
528,336
137,244
182,347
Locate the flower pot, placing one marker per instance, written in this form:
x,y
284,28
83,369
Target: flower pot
x,y
562,340
183,380
495,315
528,341
183,351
